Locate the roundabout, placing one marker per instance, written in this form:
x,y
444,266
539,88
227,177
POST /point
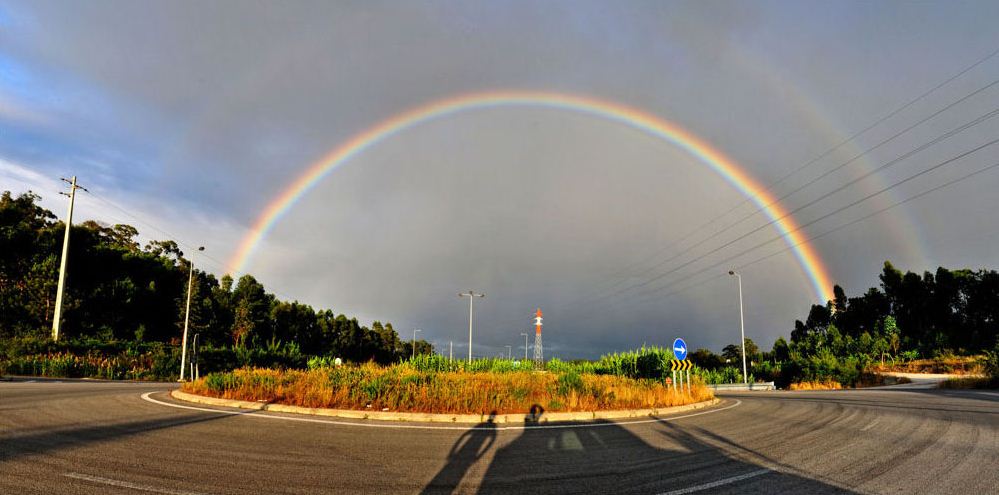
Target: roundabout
x,y
101,437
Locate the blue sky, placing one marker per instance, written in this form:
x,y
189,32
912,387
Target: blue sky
x,y
192,116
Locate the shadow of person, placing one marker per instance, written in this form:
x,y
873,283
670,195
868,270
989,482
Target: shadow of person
x,y
609,457
534,415
469,447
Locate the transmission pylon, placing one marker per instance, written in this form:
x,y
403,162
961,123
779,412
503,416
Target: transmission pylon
x,y
539,358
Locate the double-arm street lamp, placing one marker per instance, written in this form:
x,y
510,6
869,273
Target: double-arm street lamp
x,y
471,295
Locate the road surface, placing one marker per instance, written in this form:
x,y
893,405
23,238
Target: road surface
x,y
106,438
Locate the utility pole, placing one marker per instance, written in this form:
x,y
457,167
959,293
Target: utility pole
x,y
414,340
742,329
471,295
525,346
450,352
509,352
187,316
57,317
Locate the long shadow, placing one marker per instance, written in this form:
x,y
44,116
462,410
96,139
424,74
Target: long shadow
x,y
608,457
469,448
835,398
47,440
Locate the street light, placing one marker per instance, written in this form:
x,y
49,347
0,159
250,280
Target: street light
x,y
414,340
471,295
525,346
187,316
742,329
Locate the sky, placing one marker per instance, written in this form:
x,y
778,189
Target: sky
x,y
187,119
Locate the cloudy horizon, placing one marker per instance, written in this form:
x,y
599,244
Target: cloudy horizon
x,y
193,117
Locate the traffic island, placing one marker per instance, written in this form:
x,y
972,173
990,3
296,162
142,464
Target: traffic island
x,y
372,391
511,418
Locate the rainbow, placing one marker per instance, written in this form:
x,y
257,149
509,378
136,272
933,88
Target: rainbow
x,y
806,255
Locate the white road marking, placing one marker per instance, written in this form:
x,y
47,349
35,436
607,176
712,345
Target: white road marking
x,y
127,484
716,484
261,415
868,427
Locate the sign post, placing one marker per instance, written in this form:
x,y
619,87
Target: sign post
x,y
680,353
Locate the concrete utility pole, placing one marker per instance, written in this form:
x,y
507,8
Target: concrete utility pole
x,y
414,340
471,295
525,346
57,317
450,352
742,329
187,316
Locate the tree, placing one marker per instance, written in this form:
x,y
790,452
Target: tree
x,y
706,359
781,351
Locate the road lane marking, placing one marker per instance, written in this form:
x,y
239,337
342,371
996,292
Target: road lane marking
x,y
258,414
128,484
716,484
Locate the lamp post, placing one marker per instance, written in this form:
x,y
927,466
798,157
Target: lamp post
x,y
742,329
187,316
525,346
471,295
414,340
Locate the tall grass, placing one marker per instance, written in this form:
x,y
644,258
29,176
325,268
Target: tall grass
x,y
404,387
92,365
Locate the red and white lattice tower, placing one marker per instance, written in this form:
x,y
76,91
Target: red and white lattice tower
x,y
539,359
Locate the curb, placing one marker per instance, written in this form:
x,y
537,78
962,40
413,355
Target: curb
x,y
441,418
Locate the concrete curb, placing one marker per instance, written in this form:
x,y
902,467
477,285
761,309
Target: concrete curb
x,y
441,418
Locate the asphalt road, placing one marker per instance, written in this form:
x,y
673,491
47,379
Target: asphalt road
x,y
104,438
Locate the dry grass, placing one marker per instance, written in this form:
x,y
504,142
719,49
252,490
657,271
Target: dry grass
x,y
957,365
401,388
816,385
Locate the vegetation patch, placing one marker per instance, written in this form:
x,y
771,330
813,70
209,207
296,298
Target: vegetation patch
x,y
405,388
817,385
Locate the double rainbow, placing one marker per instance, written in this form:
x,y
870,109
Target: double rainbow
x,y
807,258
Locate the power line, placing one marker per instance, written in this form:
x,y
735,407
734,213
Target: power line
x,y
842,187
161,231
838,228
819,157
827,215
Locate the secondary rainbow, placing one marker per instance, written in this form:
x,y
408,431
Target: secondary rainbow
x,y
808,259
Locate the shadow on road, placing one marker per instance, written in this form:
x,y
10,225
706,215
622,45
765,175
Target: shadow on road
x,y
608,457
464,453
47,440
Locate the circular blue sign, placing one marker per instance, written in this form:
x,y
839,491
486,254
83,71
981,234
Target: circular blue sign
x,y
680,349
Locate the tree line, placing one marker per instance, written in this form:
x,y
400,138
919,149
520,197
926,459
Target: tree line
x,y
117,290
910,316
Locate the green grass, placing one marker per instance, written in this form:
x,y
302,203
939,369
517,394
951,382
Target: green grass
x,y
405,387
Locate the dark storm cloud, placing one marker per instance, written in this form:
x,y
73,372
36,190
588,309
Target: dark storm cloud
x,y
205,111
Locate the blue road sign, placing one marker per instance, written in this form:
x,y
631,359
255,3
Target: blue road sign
x,y
680,349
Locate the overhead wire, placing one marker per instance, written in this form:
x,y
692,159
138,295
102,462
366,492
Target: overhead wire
x,y
830,214
938,139
836,229
819,157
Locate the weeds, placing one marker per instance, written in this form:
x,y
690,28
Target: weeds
x,y
404,387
